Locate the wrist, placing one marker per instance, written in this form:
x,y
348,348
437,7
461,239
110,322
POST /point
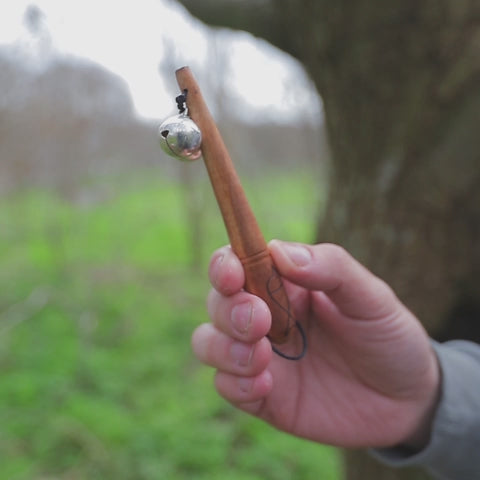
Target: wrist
x,y
419,437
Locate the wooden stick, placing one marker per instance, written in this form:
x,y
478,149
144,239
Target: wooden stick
x,y
246,239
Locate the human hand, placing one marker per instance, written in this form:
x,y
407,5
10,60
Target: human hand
x,y
370,377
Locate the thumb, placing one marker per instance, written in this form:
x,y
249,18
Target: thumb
x,y
331,269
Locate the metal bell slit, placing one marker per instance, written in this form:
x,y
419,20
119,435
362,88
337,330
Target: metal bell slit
x,y
180,137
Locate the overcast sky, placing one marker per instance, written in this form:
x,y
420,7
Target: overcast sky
x,y
132,37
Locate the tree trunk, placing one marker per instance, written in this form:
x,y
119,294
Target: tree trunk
x,y
402,106
400,83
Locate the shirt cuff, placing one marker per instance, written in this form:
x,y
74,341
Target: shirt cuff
x,y
453,450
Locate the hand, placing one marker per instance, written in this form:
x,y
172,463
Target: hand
x,y
370,377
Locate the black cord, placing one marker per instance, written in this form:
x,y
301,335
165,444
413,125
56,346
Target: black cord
x,y
304,348
181,101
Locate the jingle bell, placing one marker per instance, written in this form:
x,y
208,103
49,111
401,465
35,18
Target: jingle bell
x,y
180,137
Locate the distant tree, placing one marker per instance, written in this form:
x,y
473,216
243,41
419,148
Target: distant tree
x,y
62,122
401,90
34,19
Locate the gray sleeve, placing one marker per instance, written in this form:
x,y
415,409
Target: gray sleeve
x,y
453,452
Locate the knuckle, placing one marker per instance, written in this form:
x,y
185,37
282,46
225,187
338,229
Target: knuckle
x,y
337,252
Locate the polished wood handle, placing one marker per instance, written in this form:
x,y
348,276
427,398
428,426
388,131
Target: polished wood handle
x,y
263,280
245,236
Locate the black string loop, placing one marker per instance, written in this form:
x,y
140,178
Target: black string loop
x,y
274,286
304,346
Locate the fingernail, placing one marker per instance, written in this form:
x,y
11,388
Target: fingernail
x,y
216,267
244,384
241,354
242,317
298,254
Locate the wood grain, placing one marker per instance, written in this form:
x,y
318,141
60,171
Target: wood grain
x,y
245,236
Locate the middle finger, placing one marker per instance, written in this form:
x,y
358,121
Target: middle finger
x,y
242,316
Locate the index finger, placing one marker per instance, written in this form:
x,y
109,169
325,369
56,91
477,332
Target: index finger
x,y
226,271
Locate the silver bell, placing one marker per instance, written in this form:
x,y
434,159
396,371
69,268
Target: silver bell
x,y
180,137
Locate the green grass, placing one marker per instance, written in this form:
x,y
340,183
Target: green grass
x,y
97,304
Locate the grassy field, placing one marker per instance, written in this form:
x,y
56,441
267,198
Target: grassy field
x,y
98,299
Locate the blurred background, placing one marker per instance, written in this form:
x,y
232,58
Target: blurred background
x,y
104,241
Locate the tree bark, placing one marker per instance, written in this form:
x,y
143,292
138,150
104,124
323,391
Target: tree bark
x,y
400,83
